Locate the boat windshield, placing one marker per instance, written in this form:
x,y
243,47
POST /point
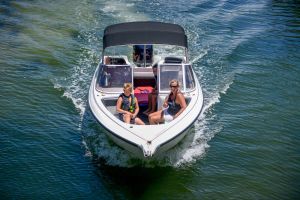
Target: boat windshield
x,y
189,78
114,76
169,72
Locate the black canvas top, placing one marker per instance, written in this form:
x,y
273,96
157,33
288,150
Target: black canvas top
x,y
144,33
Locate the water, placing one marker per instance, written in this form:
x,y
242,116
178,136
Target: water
x,y
245,144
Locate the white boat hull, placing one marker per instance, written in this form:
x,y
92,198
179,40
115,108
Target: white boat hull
x,y
145,141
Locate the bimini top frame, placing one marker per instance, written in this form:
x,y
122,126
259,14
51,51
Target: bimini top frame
x,y
147,32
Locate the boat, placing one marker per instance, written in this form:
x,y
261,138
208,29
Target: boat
x,y
157,43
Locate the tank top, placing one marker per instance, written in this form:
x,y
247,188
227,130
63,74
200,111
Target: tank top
x,y
173,106
126,105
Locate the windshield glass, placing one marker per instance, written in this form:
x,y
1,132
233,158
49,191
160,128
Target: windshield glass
x,y
168,73
189,78
114,76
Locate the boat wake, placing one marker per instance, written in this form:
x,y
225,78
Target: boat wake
x,y
75,86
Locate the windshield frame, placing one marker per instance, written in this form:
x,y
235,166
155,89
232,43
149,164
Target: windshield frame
x,y
183,80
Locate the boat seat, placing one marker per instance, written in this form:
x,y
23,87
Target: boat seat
x,y
173,60
118,61
115,60
141,93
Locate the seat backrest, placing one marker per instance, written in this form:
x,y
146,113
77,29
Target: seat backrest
x,y
173,60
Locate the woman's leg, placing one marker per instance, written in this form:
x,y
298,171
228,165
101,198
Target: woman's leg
x,y
156,117
126,118
138,121
152,114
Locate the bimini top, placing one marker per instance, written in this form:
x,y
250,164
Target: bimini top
x,y
144,33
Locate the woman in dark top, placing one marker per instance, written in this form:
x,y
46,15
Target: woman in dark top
x,y
128,107
174,105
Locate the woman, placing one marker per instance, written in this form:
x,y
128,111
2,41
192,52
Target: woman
x,y
128,107
174,105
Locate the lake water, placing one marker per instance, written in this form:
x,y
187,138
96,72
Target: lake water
x,y
245,145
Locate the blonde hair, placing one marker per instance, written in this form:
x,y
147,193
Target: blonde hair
x,y
174,81
127,85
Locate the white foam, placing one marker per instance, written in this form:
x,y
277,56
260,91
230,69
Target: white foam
x,y
56,85
125,13
191,154
215,98
198,57
100,147
78,102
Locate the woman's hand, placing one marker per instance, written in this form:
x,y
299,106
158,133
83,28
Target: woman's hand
x,y
133,116
165,104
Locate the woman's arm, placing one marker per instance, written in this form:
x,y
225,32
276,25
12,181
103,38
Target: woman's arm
x,y
182,103
137,108
166,101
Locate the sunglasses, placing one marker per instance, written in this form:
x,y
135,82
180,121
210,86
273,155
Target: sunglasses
x,y
173,86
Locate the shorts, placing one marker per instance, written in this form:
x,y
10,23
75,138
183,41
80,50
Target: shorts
x,y
167,117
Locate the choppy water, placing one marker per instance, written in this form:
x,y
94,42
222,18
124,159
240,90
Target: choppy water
x,y
245,145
